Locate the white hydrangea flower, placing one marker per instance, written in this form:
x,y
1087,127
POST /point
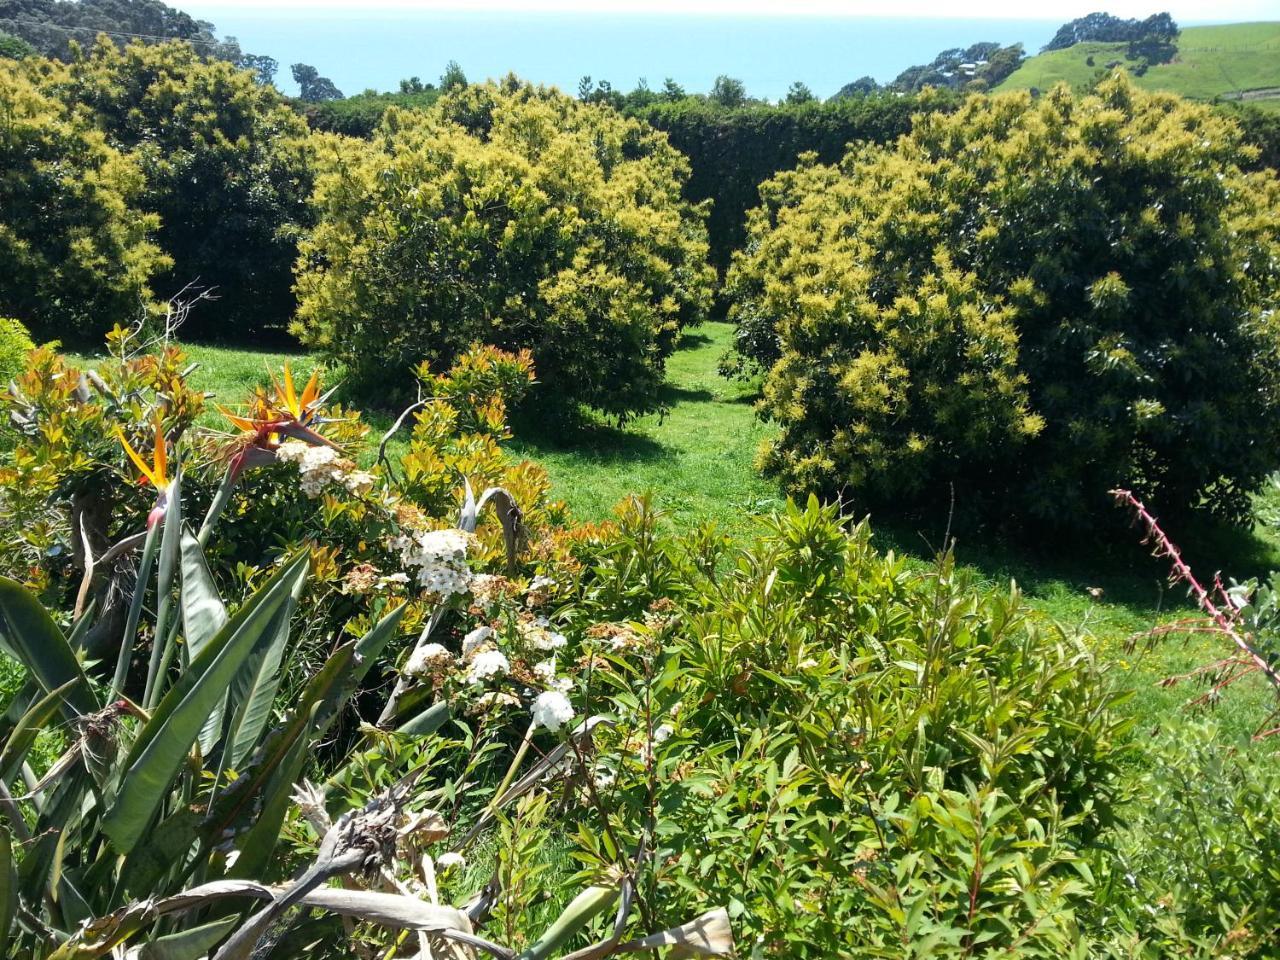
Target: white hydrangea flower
x,y
488,663
359,482
538,635
551,710
291,451
440,557
428,660
474,639
545,671
663,733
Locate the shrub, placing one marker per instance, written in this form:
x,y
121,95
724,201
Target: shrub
x,y
1197,864
844,766
1033,301
77,253
227,166
511,216
15,344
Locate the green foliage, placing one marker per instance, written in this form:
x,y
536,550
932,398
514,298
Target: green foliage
x,y
55,27
1028,303
313,88
227,168
1197,864
511,216
15,344
15,47
731,152
1105,28
78,256
982,64
852,755
360,114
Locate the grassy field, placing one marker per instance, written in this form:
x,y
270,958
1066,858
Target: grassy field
x,y
1214,61
696,461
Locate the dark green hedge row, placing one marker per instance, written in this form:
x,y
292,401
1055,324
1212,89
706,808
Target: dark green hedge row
x,y
733,151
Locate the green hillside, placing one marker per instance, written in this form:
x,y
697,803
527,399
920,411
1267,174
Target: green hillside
x,y
1218,61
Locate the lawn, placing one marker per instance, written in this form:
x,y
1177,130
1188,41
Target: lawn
x,y
696,461
1211,62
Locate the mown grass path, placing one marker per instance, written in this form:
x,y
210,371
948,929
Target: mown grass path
x,y
696,460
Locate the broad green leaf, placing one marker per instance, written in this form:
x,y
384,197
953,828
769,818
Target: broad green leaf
x,y
8,890
581,910
253,693
319,706
19,743
29,635
203,612
203,615
163,743
193,944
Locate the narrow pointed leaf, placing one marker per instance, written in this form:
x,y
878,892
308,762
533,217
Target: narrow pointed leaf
x,y
161,746
253,692
29,635
8,891
193,944
20,741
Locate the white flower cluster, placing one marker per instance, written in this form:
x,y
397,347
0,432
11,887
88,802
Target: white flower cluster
x,y
538,635
473,640
488,663
428,660
318,467
440,557
551,709
487,590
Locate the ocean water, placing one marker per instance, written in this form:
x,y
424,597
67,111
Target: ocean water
x,y
376,49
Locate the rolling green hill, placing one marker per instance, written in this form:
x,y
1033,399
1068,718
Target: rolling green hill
x,y
1227,61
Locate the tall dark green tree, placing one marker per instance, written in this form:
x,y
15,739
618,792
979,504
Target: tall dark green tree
x,y
227,171
312,87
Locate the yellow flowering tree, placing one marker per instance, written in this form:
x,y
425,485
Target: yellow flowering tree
x,y
513,216
1029,302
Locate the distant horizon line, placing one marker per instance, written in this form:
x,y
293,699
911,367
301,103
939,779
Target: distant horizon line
x,y
930,10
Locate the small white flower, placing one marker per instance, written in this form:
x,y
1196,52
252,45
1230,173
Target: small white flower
x,y
449,861
545,671
488,663
473,639
551,709
663,733
359,482
428,660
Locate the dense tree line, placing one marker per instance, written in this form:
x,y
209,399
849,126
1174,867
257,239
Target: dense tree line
x,y
1105,28
209,164
731,152
977,67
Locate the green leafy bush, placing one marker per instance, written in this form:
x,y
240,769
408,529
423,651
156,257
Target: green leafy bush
x,y
78,255
852,755
511,216
15,344
1031,301
227,166
1197,865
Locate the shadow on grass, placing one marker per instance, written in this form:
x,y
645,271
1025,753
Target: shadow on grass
x,y
671,394
691,341
1123,569
597,442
